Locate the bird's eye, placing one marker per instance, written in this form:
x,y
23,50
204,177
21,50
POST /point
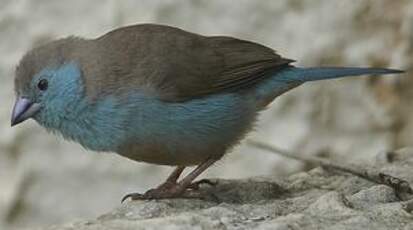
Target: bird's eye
x,y
43,84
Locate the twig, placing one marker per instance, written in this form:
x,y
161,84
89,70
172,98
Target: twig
x,y
401,187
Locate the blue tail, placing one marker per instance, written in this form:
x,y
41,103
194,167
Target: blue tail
x,y
289,78
319,73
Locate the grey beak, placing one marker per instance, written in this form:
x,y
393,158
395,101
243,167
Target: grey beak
x,y
23,109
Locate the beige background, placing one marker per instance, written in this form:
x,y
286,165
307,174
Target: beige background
x,y
45,180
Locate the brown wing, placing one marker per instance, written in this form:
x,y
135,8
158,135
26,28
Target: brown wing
x,y
177,65
232,64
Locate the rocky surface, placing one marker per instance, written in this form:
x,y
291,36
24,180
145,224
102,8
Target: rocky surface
x,y
317,199
45,181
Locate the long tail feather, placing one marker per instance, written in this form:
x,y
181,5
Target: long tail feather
x,y
292,77
320,73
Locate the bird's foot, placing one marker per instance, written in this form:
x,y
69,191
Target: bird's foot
x,y
170,190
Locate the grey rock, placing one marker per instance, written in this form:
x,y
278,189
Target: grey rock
x,y
318,199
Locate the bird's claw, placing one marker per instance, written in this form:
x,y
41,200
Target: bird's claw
x,y
170,191
132,196
155,194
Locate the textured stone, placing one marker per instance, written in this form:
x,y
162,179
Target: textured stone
x,y
267,203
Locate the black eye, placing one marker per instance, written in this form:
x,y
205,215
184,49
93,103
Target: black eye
x,y
43,84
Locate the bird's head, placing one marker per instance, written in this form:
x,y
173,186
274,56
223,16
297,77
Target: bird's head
x,y
48,83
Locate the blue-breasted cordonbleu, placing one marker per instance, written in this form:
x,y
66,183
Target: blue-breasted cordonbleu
x,y
157,94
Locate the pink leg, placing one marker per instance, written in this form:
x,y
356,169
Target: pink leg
x,y
171,188
173,177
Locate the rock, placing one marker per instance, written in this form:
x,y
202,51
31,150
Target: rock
x,y
376,194
318,199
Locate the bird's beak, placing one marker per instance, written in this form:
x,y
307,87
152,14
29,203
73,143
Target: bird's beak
x,y
23,109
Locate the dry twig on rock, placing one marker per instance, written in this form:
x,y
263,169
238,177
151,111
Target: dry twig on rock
x,y
401,187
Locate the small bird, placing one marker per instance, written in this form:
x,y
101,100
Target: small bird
x,y
158,94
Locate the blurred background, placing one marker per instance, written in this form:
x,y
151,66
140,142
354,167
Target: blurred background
x,y
45,180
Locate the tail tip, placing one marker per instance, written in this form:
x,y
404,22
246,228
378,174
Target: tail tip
x,y
394,71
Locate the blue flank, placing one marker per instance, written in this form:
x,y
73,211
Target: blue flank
x,y
217,120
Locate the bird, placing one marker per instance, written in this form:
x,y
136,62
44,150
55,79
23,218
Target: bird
x,y
158,94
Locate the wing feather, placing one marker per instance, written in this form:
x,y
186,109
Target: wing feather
x,y
177,65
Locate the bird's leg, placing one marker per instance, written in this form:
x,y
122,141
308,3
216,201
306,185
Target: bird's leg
x,y
170,182
172,179
173,189
187,181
